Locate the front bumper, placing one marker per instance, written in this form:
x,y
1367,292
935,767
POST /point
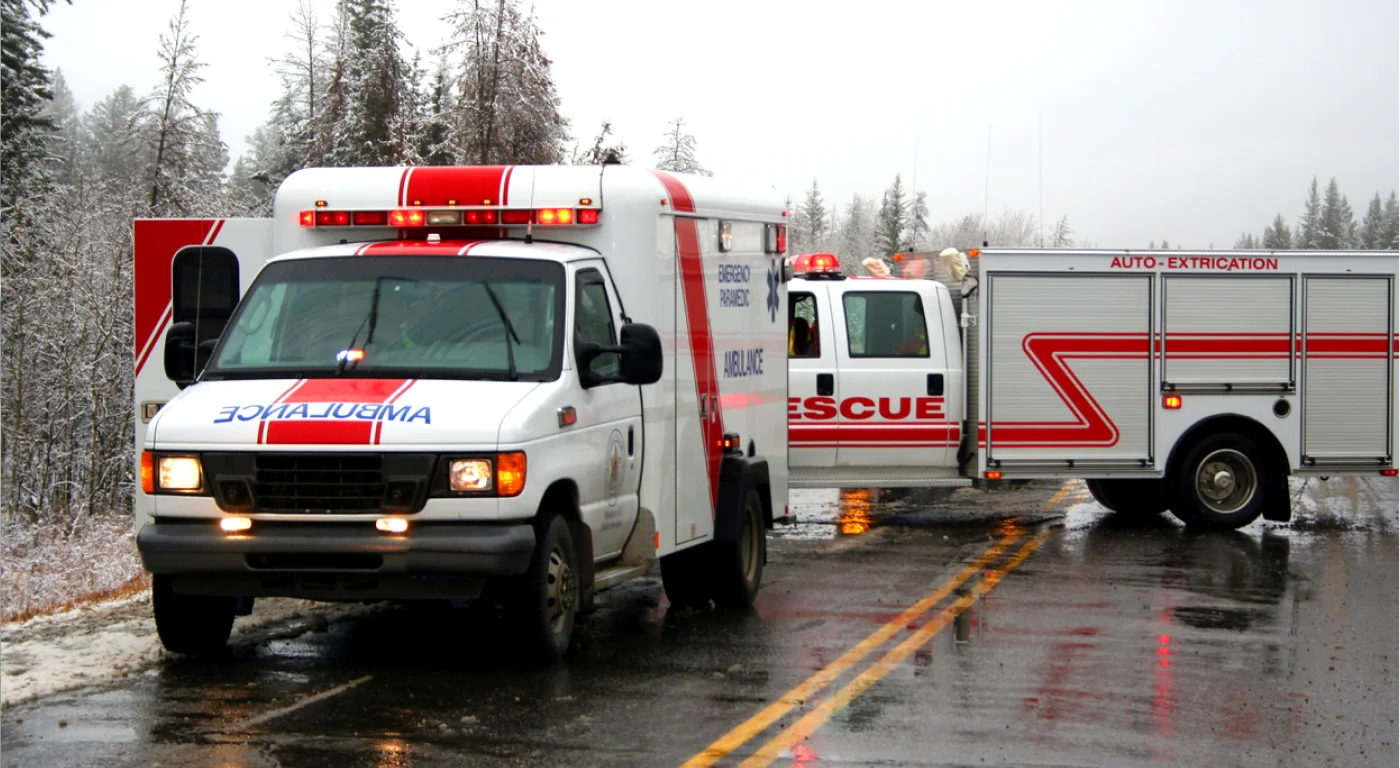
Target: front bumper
x,y
334,560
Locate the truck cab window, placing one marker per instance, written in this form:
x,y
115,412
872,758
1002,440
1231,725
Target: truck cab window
x,y
593,321
804,339
886,324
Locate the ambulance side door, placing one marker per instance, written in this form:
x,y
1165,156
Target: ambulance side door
x,y
893,376
812,381
609,418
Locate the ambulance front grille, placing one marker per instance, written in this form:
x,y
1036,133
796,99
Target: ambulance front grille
x,y
333,482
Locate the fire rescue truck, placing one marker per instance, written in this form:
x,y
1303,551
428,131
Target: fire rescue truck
x,y
523,383
1191,381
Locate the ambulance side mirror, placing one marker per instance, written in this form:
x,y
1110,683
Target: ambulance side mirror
x,y
180,354
639,357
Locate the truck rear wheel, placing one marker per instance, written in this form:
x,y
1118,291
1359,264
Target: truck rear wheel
x,y
739,564
195,625
544,601
728,572
1225,481
1131,498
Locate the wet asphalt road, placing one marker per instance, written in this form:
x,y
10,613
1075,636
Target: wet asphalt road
x,y
1072,638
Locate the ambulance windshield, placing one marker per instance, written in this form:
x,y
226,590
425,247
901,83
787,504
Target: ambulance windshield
x,y
433,317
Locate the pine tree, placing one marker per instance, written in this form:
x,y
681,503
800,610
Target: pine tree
x,y
1277,237
24,91
1246,242
856,233
1373,225
289,141
604,149
377,128
677,153
1390,236
1063,237
1309,234
890,220
181,141
507,108
1336,219
66,142
813,210
916,227
435,147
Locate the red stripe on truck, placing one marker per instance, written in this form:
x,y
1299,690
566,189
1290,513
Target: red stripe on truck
x,y
157,241
335,427
436,185
702,348
681,201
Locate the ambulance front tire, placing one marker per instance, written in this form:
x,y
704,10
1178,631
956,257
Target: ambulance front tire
x,y
544,601
1225,481
194,625
1130,498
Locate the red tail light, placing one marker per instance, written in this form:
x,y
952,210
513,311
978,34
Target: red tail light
x,y
1390,472
371,218
308,218
515,217
407,219
480,217
1171,402
782,236
332,218
588,216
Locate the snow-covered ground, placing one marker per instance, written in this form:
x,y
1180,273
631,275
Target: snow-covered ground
x,y
46,570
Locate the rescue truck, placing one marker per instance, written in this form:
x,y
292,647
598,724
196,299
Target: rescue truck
x,y
522,383
1191,381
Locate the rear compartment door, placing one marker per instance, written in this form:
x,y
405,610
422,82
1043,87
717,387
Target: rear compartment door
x,y
173,257
1348,385
813,386
893,372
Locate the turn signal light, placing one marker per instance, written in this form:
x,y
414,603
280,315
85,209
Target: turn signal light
x,y
510,474
407,219
235,524
993,475
588,216
148,472
730,441
391,524
1171,402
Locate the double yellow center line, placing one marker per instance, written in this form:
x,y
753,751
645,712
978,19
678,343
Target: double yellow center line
x,y
799,695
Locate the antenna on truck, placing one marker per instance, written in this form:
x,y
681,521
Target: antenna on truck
x,y
530,222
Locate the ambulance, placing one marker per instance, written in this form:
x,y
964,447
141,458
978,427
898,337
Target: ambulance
x,y
1189,381
517,383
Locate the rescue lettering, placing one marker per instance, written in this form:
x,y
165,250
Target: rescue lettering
x,y
861,408
405,414
742,363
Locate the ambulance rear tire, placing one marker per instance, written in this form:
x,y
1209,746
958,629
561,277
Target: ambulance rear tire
x,y
1225,481
543,604
739,564
193,625
1130,497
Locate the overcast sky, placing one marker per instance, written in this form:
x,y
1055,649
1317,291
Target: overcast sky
x,y
1185,120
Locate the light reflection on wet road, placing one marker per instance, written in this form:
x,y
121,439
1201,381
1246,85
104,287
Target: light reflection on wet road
x,y
1114,643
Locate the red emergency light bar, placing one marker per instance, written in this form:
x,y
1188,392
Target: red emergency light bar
x,y
418,217
816,265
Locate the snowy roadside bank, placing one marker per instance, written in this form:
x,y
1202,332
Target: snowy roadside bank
x,y
104,642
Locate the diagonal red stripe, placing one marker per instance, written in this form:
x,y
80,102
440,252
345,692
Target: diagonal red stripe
x,y
702,349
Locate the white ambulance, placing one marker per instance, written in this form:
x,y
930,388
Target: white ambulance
x,y
1190,381
440,382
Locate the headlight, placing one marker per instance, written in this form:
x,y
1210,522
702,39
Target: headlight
x,y
469,475
180,473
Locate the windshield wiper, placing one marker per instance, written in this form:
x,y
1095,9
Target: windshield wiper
x,y
371,319
510,330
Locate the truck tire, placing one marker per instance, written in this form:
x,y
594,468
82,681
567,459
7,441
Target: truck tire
x,y
194,625
739,564
543,603
728,572
1130,498
1224,481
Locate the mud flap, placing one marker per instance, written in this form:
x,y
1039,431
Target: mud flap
x,y
583,556
1281,511
737,474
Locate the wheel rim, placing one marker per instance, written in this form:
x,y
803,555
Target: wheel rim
x,y
1226,481
560,589
748,546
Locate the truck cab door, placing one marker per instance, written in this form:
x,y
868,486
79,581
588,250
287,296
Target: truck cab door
x,y
893,378
812,376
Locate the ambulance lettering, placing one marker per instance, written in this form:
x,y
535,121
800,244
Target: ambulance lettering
x,y
742,363
406,414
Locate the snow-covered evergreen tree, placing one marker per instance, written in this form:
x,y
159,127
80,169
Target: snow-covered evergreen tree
x,y
677,151
890,220
1336,219
376,128
815,224
857,237
1309,233
606,148
435,145
25,89
1062,236
1390,236
1246,242
916,222
507,107
1277,236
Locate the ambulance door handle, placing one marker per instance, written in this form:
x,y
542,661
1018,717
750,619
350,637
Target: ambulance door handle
x,y
935,384
826,384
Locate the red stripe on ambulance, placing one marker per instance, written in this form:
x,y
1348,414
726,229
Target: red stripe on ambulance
x,y
321,431
160,241
449,185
